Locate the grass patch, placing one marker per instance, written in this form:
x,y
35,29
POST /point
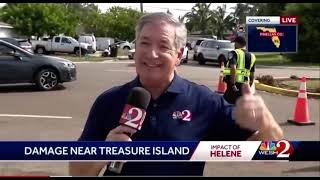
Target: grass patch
x,y
313,85
90,59
293,83
122,52
279,60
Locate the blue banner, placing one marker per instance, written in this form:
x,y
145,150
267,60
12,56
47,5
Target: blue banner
x,y
160,150
96,150
272,38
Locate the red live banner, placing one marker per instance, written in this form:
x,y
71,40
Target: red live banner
x,y
289,20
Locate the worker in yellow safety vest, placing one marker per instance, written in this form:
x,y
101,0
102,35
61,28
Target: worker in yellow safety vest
x,y
239,69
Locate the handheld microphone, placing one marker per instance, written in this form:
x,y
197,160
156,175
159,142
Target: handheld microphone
x,y
133,115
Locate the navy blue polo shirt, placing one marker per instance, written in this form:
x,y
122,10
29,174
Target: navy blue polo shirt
x,y
185,111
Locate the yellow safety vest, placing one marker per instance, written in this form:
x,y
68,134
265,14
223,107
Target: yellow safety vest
x,y
241,71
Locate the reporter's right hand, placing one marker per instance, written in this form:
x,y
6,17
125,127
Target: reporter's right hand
x,y
121,133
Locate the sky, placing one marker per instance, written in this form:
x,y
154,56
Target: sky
x,y
177,9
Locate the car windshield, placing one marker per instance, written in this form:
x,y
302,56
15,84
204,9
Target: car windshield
x,y
73,40
21,49
198,42
120,42
86,39
226,45
9,40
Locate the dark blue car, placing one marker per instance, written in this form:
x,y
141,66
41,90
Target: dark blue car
x,y
20,66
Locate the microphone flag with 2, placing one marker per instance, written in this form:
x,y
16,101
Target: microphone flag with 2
x,y
133,115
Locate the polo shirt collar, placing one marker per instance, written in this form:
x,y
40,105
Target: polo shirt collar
x,y
177,84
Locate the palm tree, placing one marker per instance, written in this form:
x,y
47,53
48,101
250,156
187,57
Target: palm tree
x,y
254,8
270,9
199,18
241,10
222,22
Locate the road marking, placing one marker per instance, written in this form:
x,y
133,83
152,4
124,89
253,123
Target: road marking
x,y
35,116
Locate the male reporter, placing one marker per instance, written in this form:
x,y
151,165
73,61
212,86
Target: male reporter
x,y
179,109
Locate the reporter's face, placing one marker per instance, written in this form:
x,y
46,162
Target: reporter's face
x,y
156,55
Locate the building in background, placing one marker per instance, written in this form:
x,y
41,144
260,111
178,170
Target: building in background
x,y
6,30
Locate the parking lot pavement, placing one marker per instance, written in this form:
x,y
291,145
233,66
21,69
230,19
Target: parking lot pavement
x,y
74,99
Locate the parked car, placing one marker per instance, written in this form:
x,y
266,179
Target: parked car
x,y
106,53
195,46
184,58
103,43
125,45
131,53
20,66
214,50
89,39
65,44
23,43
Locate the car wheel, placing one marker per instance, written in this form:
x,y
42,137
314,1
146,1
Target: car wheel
x,y
194,57
40,50
201,59
47,79
126,49
77,52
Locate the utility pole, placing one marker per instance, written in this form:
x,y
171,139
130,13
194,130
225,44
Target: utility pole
x,y
141,7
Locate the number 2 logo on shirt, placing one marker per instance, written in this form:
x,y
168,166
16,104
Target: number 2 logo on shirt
x,y
186,115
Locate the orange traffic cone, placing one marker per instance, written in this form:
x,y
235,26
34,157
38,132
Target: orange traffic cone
x,y
301,113
222,86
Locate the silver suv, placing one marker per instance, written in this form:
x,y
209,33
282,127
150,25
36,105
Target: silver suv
x,y
195,46
125,45
214,50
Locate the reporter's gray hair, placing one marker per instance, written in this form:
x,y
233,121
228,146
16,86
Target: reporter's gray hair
x,y
181,31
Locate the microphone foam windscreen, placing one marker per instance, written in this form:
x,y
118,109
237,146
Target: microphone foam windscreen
x,y
139,97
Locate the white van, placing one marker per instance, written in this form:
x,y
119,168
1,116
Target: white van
x,y
90,39
104,42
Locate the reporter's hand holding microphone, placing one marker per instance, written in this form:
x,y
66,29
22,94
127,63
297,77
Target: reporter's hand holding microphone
x,y
131,120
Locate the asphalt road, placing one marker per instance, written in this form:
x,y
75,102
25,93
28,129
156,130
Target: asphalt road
x,y
73,101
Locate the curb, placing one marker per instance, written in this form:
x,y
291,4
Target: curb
x,y
288,67
285,92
